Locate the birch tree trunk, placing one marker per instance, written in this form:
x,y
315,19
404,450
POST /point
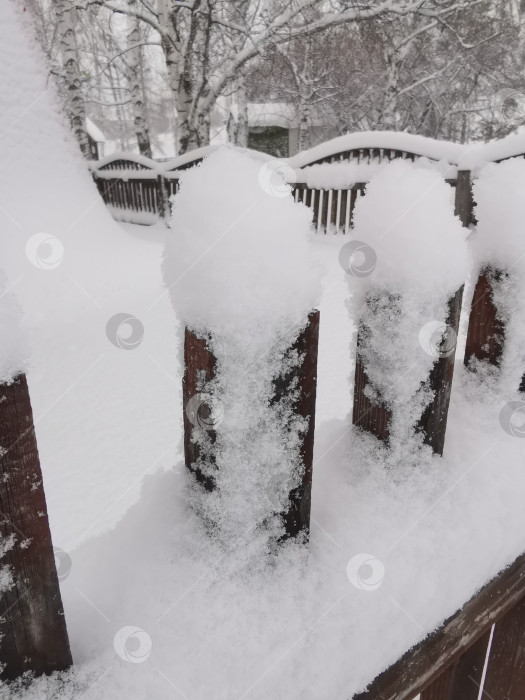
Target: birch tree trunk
x,y
137,91
75,106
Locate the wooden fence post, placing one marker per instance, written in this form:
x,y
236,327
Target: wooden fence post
x,y
164,204
32,624
375,417
486,330
200,369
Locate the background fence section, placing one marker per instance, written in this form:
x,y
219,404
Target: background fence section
x,y
138,189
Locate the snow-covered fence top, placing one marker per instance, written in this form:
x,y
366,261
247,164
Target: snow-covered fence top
x,y
328,178
137,189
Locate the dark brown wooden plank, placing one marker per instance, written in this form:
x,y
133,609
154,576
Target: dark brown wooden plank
x,y
422,664
199,364
32,624
464,204
200,369
375,416
433,423
461,680
297,517
505,678
486,332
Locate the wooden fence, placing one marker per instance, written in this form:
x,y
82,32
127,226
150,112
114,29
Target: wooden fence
x,y
138,189
483,644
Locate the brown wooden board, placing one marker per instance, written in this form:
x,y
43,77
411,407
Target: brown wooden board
x,y
200,369
419,667
199,364
32,623
486,332
376,417
505,678
462,679
297,518
433,423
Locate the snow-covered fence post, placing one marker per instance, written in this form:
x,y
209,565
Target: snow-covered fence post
x,y
32,624
250,346
200,363
406,273
497,316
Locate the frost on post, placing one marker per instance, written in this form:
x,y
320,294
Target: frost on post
x,y
497,318
32,625
239,269
407,306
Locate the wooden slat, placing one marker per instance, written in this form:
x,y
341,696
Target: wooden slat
x,y
200,369
486,332
505,678
422,664
461,680
297,518
32,624
375,417
433,423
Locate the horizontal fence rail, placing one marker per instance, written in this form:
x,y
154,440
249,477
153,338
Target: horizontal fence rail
x,y
449,664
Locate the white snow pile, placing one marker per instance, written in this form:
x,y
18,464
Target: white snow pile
x,y
498,246
240,271
13,345
346,174
409,257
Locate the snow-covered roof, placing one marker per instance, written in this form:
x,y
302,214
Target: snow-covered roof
x,y
94,131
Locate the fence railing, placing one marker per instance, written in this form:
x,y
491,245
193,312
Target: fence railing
x,y
481,645
138,189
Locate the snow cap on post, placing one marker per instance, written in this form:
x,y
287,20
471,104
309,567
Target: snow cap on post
x,y
406,270
500,211
238,256
407,219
